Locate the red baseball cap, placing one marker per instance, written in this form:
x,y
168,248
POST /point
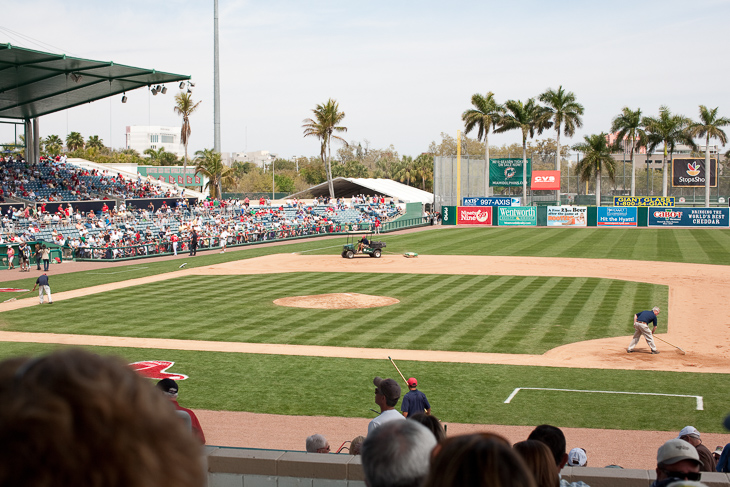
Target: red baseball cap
x,y
412,382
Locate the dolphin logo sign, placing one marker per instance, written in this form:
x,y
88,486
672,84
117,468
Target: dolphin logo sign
x,y
155,369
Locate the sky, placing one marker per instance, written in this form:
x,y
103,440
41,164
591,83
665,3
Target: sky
x,y
402,71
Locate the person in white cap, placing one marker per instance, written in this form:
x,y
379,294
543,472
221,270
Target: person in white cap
x,y
577,458
692,436
676,460
641,327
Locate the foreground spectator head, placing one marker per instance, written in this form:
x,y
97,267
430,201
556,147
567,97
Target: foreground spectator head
x,y
317,444
432,423
388,391
76,418
677,460
478,460
396,454
577,458
554,438
539,461
356,445
169,387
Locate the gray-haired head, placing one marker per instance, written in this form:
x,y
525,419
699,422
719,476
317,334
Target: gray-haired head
x,y
316,443
656,309
397,454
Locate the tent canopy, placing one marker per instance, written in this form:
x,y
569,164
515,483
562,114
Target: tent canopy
x,y
35,83
348,187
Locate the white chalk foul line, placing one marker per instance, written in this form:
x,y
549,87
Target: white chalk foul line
x,y
700,402
128,269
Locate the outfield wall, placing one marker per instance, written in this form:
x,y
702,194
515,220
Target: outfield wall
x,y
587,216
243,467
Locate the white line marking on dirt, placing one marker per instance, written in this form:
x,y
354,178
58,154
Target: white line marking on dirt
x,y
700,402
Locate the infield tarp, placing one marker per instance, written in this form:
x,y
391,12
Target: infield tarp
x,y
517,216
621,217
567,216
689,217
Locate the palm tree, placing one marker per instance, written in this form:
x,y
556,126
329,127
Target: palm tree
x,y
405,170
95,142
423,169
185,107
596,158
53,144
209,164
709,127
155,155
323,126
669,130
530,118
484,116
74,141
628,125
565,113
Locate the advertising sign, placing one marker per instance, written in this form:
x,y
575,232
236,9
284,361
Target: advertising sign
x,y
507,171
545,180
643,201
474,215
492,201
448,215
688,217
689,172
612,216
567,216
517,216
172,175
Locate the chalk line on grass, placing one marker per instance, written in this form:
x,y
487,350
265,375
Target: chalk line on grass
x,y
700,401
127,269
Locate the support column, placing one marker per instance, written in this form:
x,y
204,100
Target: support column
x,y
36,142
28,152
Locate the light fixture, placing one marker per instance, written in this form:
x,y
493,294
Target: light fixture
x,y
124,98
191,84
189,91
75,77
154,92
164,90
158,88
182,85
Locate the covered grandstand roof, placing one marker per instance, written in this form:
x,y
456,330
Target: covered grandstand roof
x,y
35,83
347,187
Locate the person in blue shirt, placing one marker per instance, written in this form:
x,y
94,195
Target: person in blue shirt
x,y
414,401
641,325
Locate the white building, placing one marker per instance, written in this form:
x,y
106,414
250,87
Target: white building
x,y
261,158
143,137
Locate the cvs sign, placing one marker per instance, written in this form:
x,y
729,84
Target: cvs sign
x,y
545,180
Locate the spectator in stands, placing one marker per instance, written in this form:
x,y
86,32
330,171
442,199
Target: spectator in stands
x,y
169,387
676,460
554,438
478,460
397,454
692,436
356,445
723,463
539,461
432,423
317,444
387,393
11,256
577,458
76,418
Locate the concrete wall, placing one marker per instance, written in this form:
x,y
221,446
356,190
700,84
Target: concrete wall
x,y
240,467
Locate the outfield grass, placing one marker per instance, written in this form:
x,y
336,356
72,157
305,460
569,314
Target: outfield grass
x,y
461,393
503,314
700,246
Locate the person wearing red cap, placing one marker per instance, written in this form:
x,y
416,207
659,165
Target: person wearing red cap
x,y
414,401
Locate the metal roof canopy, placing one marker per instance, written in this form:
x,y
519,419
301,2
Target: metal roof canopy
x,y
347,187
35,83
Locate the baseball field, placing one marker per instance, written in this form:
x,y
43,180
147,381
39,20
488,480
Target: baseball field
x,y
539,317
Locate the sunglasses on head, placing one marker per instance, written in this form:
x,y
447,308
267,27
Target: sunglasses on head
x,y
683,475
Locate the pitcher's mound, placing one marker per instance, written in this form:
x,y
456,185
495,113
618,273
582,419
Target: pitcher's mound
x,y
337,301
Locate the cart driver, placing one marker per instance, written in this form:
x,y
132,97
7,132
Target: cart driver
x,y
363,242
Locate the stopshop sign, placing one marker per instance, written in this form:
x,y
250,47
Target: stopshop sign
x,y
690,172
474,215
612,216
518,216
689,217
